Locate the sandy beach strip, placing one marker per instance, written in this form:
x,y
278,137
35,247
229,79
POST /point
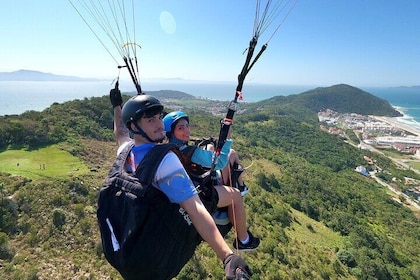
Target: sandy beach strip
x,y
394,122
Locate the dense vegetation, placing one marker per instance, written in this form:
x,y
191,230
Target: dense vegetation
x,y
340,98
318,219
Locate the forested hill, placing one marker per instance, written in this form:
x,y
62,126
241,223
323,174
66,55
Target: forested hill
x,y
317,217
169,94
341,98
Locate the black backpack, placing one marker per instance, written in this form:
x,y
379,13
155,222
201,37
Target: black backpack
x,y
144,235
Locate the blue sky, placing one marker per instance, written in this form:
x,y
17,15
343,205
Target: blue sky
x,y
321,43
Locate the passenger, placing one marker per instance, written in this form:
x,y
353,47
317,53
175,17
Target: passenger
x,y
178,131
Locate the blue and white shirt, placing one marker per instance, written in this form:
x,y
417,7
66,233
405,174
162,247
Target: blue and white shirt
x,y
171,177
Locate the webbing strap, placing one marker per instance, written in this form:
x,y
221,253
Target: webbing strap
x,y
149,164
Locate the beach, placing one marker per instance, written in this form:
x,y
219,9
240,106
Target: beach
x,y
396,123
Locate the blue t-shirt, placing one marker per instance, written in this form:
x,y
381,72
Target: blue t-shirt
x,y
171,177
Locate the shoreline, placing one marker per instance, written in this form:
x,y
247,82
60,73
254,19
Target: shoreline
x,y
394,122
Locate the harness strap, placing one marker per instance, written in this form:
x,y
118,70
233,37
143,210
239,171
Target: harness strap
x,y
149,164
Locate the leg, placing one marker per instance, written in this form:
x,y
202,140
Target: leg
x,y
234,158
231,197
226,171
232,177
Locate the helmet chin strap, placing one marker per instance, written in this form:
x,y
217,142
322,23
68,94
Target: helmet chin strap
x,y
142,133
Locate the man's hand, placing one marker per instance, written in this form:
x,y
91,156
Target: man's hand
x,y
115,97
236,267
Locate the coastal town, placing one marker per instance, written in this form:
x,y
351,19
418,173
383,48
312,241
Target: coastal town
x,y
374,130
380,134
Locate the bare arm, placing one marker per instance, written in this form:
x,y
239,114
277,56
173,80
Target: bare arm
x,y
205,226
121,132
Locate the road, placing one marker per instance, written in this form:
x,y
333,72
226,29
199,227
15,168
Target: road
x,y
399,162
407,198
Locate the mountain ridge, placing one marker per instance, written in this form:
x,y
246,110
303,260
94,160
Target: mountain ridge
x,y
31,75
341,98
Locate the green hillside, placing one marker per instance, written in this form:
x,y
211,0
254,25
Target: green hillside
x,y
317,218
341,98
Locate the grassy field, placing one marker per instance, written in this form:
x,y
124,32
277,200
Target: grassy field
x,y
314,233
414,164
46,163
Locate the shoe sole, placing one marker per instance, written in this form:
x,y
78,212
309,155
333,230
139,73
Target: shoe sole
x,y
246,250
244,192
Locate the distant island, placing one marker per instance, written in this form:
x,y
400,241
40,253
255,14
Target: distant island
x,y
30,75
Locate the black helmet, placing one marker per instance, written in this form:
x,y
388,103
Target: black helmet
x,y
137,106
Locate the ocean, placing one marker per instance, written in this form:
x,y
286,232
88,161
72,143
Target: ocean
x,y
17,97
404,99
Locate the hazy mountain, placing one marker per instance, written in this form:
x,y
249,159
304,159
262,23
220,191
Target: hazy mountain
x,y
29,75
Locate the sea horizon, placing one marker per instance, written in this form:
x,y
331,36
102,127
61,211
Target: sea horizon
x,y
17,97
